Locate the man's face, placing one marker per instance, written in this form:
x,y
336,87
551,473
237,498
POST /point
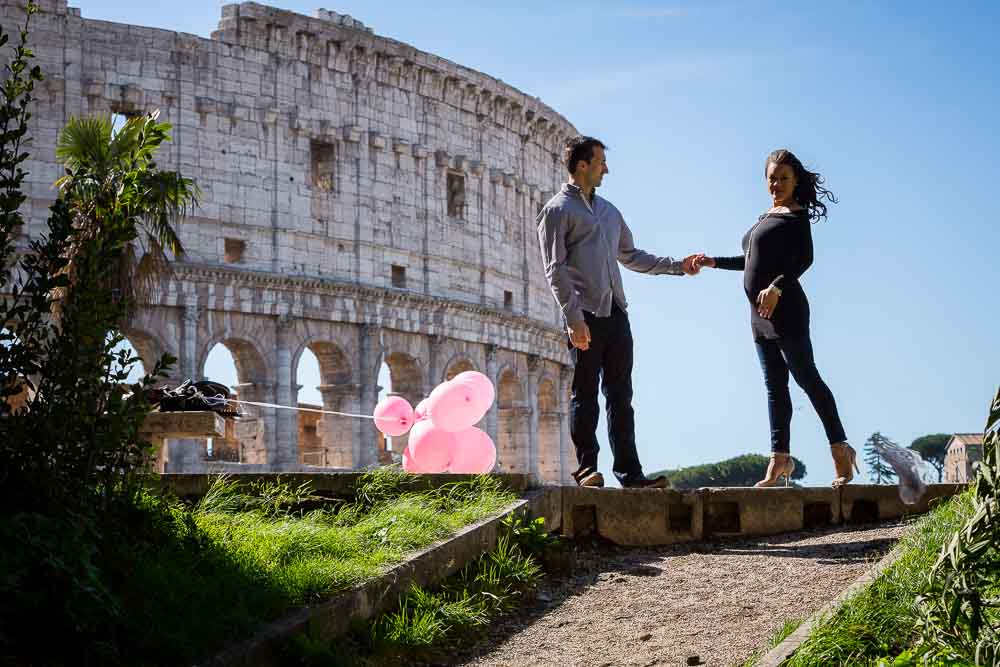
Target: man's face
x,y
594,170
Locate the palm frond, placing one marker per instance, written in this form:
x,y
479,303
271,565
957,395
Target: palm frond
x,y
167,197
84,143
115,189
152,267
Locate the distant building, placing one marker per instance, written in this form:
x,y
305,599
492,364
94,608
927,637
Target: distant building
x,y
963,450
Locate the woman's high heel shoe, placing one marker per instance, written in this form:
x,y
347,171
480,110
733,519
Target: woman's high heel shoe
x,y
844,460
780,464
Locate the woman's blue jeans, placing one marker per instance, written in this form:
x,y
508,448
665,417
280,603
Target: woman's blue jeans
x,y
778,358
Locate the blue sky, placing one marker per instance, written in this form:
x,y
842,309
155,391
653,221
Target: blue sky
x,y
893,102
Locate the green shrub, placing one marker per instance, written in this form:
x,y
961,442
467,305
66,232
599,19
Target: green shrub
x,y
961,606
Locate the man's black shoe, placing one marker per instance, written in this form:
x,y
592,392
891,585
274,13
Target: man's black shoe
x,y
660,482
588,477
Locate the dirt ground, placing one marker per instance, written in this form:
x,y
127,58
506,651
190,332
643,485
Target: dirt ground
x,y
661,606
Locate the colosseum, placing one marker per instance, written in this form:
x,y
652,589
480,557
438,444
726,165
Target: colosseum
x,y
362,199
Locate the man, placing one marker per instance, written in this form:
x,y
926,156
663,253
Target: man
x,y
583,237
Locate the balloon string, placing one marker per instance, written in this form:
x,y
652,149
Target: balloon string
x,y
288,407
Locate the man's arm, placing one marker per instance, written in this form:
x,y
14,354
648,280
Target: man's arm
x,y
641,261
552,240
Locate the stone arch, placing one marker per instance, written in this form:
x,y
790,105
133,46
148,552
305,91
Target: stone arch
x,y
549,430
326,440
457,364
148,346
251,365
406,378
254,383
513,429
334,364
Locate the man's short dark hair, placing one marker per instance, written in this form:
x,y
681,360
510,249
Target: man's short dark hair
x,y
580,148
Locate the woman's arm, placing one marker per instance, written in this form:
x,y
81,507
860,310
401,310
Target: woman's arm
x,y
737,263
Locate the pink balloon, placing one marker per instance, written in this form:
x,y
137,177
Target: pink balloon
x,y
454,406
430,448
482,386
474,452
393,416
420,412
409,465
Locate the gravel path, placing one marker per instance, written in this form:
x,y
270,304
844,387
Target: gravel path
x,y
719,601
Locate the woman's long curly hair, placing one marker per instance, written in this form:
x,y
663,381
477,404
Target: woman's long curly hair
x,y
809,190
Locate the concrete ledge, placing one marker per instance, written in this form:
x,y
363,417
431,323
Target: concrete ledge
x,y
864,503
647,517
768,511
158,426
546,503
183,425
751,511
333,484
333,618
632,516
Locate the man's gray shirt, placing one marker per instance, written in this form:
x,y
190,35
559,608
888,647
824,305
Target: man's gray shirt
x,y
582,244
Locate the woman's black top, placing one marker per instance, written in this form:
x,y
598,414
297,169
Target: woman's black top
x,y
776,251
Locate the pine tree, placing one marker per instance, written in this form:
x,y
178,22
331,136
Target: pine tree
x,y
879,471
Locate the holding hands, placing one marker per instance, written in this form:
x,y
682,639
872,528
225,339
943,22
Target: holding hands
x,y
692,264
702,260
767,299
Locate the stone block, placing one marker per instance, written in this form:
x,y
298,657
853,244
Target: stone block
x,y
400,146
869,503
634,517
866,503
751,511
547,503
820,507
183,425
352,133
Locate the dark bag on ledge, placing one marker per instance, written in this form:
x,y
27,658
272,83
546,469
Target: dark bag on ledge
x,y
191,396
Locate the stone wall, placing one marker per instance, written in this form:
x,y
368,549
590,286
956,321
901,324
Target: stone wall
x,y
363,199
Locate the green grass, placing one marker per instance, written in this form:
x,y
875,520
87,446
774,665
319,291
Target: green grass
x,y
787,628
427,623
156,582
313,554
880,620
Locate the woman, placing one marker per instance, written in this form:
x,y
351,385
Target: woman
x,y
776,252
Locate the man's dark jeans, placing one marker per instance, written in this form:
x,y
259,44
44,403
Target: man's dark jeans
x,y
777,358
608,363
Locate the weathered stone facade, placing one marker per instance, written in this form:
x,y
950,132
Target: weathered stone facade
x,y
962,452
362,199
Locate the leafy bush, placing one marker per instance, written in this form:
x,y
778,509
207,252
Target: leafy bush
x,y
961,608
70,448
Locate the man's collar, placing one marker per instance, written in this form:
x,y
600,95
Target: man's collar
x,y
577,190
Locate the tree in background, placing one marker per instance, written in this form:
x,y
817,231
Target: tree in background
x,y
933,449
112,181
745,470
879,471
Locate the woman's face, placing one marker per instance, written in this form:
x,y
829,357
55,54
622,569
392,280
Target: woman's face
x,y
781,183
